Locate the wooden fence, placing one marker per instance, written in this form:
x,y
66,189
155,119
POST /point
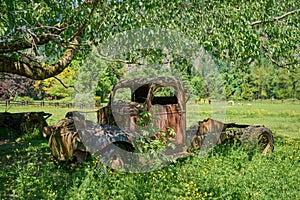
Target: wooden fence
x,y
55,104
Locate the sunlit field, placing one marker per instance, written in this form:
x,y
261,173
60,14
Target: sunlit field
x,y
283,118
226,172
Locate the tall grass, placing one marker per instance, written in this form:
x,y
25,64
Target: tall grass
x,y
226,172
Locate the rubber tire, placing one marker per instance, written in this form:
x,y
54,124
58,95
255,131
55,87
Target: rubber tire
x,y
259,136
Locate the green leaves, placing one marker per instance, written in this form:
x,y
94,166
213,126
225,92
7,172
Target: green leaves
x,y
152,140
237,33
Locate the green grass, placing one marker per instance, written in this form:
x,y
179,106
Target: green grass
x,y
282,118
227,172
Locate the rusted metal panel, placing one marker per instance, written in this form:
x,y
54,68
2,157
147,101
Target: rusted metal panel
x,y
167,111
104,116
171,116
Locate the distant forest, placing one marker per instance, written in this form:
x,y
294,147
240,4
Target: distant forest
x,y
263,81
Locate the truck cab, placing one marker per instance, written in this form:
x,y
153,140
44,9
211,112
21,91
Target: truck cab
x,y
162,97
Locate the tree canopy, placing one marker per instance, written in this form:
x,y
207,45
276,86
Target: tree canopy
x,y
39,39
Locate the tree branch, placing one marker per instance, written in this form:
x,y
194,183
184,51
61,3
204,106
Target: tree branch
x,y
37,70
275,62
275,19
81,28
21,43
62,83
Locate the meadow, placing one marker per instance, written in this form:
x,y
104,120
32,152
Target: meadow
x,y
226,172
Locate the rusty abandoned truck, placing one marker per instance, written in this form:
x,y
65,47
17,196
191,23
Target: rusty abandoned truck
x,y
152,102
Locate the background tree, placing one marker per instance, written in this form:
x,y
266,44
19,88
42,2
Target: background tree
x,y
12,85
59,87
109,76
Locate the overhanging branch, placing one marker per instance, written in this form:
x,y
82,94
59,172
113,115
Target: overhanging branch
x,y
286,65
21,43
36,70
275,18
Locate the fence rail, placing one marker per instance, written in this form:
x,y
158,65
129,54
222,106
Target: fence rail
x,y
8,103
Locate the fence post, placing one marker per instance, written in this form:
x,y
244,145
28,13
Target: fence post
x,y
7,102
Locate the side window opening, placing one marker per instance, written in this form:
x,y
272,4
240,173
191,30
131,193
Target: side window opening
x,y
164,95
122,95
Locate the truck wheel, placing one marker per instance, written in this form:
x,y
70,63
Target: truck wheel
x,y
260,137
